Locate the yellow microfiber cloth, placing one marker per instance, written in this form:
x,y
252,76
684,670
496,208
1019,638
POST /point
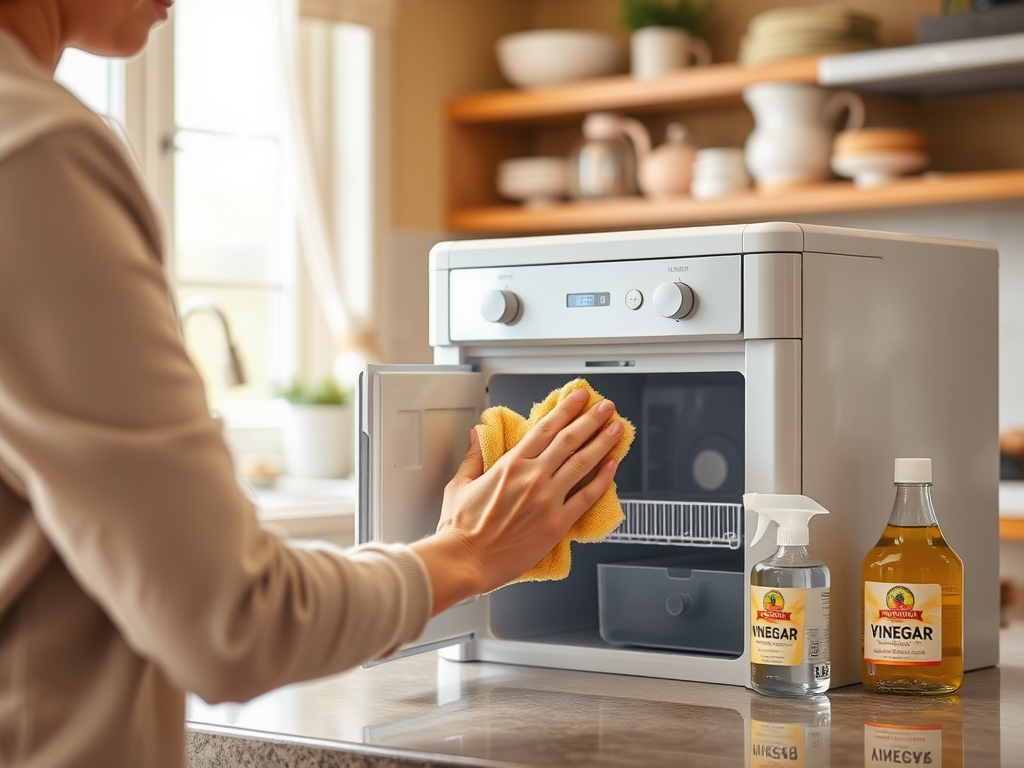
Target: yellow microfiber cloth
x,y
502,428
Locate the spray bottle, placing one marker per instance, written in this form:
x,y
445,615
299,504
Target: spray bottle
x,y
789,602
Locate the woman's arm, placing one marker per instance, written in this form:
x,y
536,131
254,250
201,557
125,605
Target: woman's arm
x,y
105,425
104,422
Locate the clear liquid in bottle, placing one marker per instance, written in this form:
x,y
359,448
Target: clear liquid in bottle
x,y
792,571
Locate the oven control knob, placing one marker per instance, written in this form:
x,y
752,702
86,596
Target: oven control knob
x,y
500,307
674,300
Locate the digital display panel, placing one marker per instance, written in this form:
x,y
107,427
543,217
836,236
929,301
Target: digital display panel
x,y
573,300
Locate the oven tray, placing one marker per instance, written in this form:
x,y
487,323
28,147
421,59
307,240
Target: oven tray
x,y
680,522
664,603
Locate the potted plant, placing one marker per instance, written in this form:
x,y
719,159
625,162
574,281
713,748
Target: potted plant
x,y
319,429
664,35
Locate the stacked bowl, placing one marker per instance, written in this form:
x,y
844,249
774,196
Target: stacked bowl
x,y
784,33
718,171
533,181
536,58
874,156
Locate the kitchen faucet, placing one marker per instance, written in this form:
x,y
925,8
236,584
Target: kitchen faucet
x,y
234,373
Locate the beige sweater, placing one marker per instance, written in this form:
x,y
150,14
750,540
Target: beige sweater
x,y
132,568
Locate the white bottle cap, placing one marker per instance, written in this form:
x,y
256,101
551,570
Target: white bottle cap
x,y
913,471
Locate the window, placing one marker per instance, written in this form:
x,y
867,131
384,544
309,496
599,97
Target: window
x,y
233,211
206,111
96,81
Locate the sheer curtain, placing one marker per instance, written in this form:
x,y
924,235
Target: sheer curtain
x,y
333,97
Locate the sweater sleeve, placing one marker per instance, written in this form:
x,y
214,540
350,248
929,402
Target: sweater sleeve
x,y
104,421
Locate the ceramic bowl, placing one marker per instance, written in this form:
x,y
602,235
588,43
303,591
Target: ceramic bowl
x,y
707,189
870,140
718,171
533,181
540,57
872,169
713,157
720,163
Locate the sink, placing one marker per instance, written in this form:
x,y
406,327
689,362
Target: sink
x,y
309,509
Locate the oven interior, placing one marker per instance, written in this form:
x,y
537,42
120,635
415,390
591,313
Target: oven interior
x,y
671,577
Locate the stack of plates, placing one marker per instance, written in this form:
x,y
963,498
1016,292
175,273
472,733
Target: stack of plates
x,y
534,181
718,171
873,156
785,33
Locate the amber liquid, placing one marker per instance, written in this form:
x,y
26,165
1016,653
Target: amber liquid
x,y
932,729
918,555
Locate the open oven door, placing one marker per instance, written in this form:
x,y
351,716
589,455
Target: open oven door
x,y
414,423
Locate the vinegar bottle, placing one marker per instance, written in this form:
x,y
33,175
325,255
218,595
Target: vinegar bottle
x,y
789,602
912,593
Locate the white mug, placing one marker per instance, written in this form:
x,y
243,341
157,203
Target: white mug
x,y
654,51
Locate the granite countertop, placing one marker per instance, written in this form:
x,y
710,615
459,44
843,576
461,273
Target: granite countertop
x,y
427,711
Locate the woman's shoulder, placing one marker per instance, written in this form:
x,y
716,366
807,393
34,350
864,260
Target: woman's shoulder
x,y
33,104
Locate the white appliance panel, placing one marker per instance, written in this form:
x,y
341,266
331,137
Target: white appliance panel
x,y
414,431
598,300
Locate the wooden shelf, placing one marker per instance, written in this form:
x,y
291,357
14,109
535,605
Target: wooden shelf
x,y
1011,528
639,213
486,128
706,86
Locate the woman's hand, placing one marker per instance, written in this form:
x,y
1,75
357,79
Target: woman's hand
x,y
496,526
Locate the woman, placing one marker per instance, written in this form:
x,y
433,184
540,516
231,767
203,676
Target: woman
x,y
132,569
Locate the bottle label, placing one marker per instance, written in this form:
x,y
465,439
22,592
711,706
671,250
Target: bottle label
x,y
789,627
771,743
902,745
791,744
903,623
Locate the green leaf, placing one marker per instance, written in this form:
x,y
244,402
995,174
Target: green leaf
x,y
682,14
324,392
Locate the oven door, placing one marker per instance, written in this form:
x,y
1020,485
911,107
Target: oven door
x,y
414,423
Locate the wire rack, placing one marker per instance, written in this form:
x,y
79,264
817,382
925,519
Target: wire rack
x,y
680,522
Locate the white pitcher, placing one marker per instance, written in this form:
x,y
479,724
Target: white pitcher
x,y
794,124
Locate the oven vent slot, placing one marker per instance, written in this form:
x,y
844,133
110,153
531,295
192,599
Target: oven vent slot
x,y
680,522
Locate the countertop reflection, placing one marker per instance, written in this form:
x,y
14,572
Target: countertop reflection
x,y
426,711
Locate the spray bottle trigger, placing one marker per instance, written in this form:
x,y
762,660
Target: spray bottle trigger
x,y
762,526
750,502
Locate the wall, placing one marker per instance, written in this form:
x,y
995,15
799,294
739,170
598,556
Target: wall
x,y
1011,569
441,49
444,48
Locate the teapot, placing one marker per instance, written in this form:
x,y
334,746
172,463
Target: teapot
x,y
794,125
667,170
605,163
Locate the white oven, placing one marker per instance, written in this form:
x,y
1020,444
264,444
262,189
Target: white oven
x,y
772,357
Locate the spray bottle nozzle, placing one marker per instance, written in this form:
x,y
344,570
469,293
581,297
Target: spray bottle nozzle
x,y
792,512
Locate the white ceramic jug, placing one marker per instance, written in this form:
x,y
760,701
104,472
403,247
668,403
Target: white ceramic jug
x,y
605,164
794,124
